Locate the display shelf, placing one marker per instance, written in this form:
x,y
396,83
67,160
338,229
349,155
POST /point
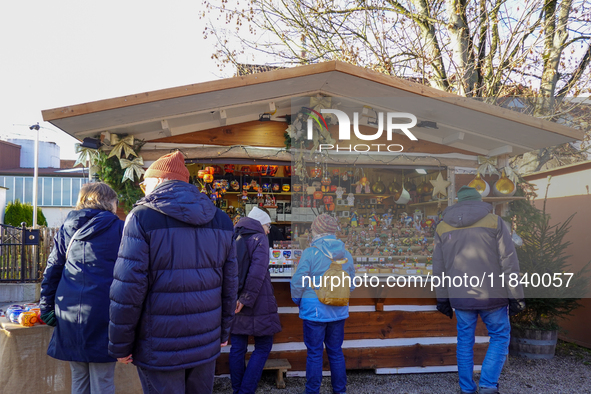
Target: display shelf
x,y
427,203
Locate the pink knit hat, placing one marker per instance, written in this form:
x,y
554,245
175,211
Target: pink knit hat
x,y
325,224
170,166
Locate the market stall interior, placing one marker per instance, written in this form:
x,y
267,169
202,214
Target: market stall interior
x,y
242,138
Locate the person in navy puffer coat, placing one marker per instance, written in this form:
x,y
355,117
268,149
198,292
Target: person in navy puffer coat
x,y
175,281
75,289
256,308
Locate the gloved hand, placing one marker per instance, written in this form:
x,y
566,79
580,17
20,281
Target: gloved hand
x,y
445,308
49,318
516,305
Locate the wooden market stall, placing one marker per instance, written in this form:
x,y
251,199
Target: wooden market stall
x,y
238,124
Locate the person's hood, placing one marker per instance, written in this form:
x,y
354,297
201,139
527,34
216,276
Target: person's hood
x,y
181,201
331,247
466,213
249,226
90,222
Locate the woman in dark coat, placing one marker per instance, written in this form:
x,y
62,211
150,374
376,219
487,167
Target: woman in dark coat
x,y
75,289
256,308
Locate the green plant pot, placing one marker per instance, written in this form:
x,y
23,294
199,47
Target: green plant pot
x,y
533,344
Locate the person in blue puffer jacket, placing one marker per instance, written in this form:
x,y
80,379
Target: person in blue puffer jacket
x,y
175,283
323,324
75,289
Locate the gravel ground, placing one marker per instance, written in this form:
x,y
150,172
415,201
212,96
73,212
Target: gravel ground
x,y
568,372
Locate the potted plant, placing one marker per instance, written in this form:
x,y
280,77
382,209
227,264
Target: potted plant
x,y
550,291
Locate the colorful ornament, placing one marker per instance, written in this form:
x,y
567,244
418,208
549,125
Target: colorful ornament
x,y
285,187
229,168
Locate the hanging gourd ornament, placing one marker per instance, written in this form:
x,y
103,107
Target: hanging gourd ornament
x,y
480,185
201,173
504,187
394,188
208,178
378,187
326,180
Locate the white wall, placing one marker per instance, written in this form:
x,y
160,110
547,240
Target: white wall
x,y
49,153
574,184
56,215
2,203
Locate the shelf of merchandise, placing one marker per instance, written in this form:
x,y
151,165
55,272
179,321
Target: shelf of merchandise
x,y
254,193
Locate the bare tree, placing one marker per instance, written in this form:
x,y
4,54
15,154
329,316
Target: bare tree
x,y
477,48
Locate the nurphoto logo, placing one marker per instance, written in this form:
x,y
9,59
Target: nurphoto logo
x,y
345,130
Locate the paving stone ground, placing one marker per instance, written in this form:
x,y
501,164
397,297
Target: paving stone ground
x,y
569,372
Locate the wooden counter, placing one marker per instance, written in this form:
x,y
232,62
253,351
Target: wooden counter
x,y
391,334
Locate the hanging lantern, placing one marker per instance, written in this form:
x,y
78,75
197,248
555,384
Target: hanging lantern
x,y
504,187
480,185
285,187
229,168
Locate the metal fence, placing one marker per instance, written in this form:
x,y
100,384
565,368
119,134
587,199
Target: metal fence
x,y
23,252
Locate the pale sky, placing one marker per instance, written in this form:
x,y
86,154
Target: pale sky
x,y
62,53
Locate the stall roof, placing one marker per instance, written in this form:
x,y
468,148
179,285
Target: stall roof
x,y
197,113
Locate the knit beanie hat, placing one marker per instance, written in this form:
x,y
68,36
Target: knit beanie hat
x,y
467,193
325,224
259,215
170,166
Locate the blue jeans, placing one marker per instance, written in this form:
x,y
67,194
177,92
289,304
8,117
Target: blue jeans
x,y
499,330
245,379
90,378
331,334
198,379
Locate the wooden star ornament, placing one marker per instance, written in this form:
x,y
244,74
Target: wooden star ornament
x,y
440,186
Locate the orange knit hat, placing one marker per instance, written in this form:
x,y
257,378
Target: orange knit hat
x,y
171,166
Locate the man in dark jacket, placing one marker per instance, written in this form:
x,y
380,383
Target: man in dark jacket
x,y
474,246
175,281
